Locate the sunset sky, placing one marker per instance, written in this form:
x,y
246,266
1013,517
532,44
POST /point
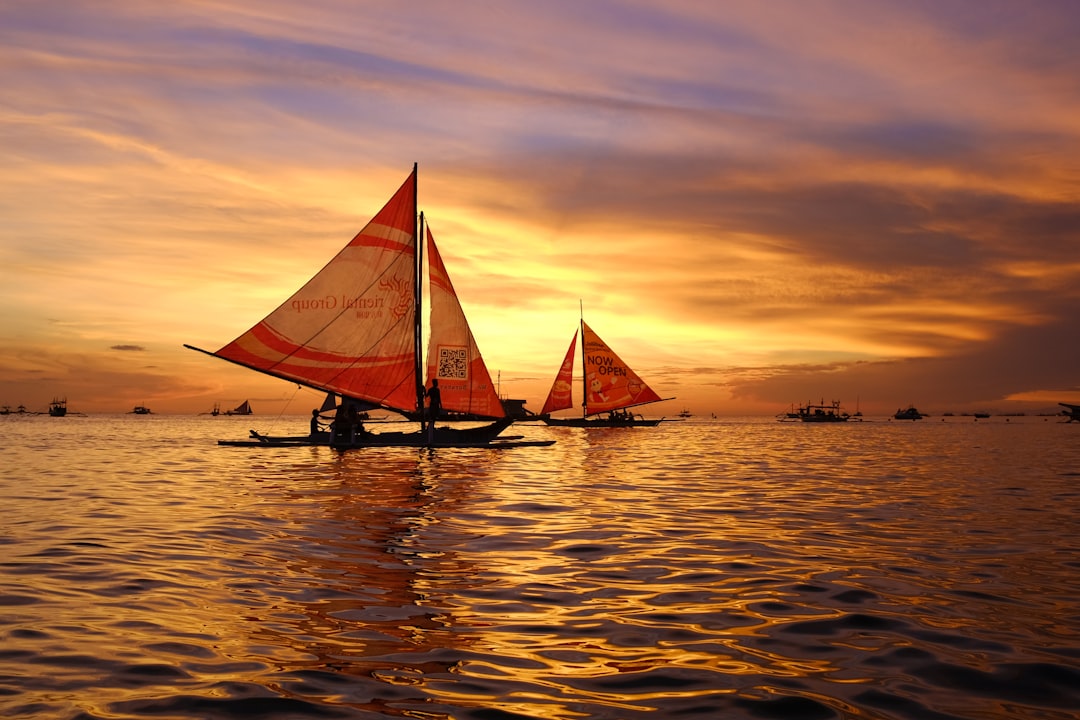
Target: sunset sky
x,y
757,203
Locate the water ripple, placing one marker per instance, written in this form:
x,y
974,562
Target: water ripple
x,y
734,569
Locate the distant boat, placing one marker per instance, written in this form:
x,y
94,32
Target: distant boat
x,y
684,413
141,410
608,385
820,413
516,409
356,329
910,413
981,415
243,408
58,407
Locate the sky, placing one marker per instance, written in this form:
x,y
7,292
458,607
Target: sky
x,y
756,204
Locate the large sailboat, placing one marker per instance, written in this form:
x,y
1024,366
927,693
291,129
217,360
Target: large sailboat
x,y
608,386
354,330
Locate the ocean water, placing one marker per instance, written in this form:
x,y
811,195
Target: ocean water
x,y
738,568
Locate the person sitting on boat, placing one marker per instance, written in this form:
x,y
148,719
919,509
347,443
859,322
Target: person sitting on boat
x,y
319,430
348,423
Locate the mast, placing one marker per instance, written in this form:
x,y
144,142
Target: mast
x,y
418,291
584,367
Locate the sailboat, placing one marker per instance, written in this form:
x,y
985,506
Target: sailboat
x,y
243,408
354,330
608,386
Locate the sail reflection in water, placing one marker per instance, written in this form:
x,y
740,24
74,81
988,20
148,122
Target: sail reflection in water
x,y
738,569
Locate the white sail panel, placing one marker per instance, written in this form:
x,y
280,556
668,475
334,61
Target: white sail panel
x,y
350,329
453,356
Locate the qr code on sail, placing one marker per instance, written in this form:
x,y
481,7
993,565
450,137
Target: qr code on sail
x,y
453,363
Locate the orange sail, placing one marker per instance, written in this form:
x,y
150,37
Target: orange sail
x,y
350,329
453,356
610,384
561,395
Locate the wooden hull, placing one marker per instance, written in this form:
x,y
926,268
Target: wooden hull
x,y
498,443
484,436
442,436
601,422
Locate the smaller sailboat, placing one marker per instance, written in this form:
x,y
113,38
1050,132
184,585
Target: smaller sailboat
x,y
58,407
243,408
608,386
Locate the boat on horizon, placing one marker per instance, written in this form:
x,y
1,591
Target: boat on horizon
x,y
908,413
58,407
818,413
355,330
243,408
141,410
608,385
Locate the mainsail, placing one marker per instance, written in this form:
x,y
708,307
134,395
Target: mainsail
x,y
610,384
350,329
453,357
561,395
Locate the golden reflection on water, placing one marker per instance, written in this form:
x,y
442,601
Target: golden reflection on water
x,y
615,574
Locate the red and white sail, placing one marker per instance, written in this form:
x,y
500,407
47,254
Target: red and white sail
x,y
453,357
610,384
561,395
350,329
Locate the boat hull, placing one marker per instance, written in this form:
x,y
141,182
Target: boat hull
x,y
444,437
441,437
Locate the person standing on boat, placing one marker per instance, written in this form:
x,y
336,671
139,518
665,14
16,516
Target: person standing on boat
x,y
434,396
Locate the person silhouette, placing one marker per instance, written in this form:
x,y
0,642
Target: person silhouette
x,y
434,396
